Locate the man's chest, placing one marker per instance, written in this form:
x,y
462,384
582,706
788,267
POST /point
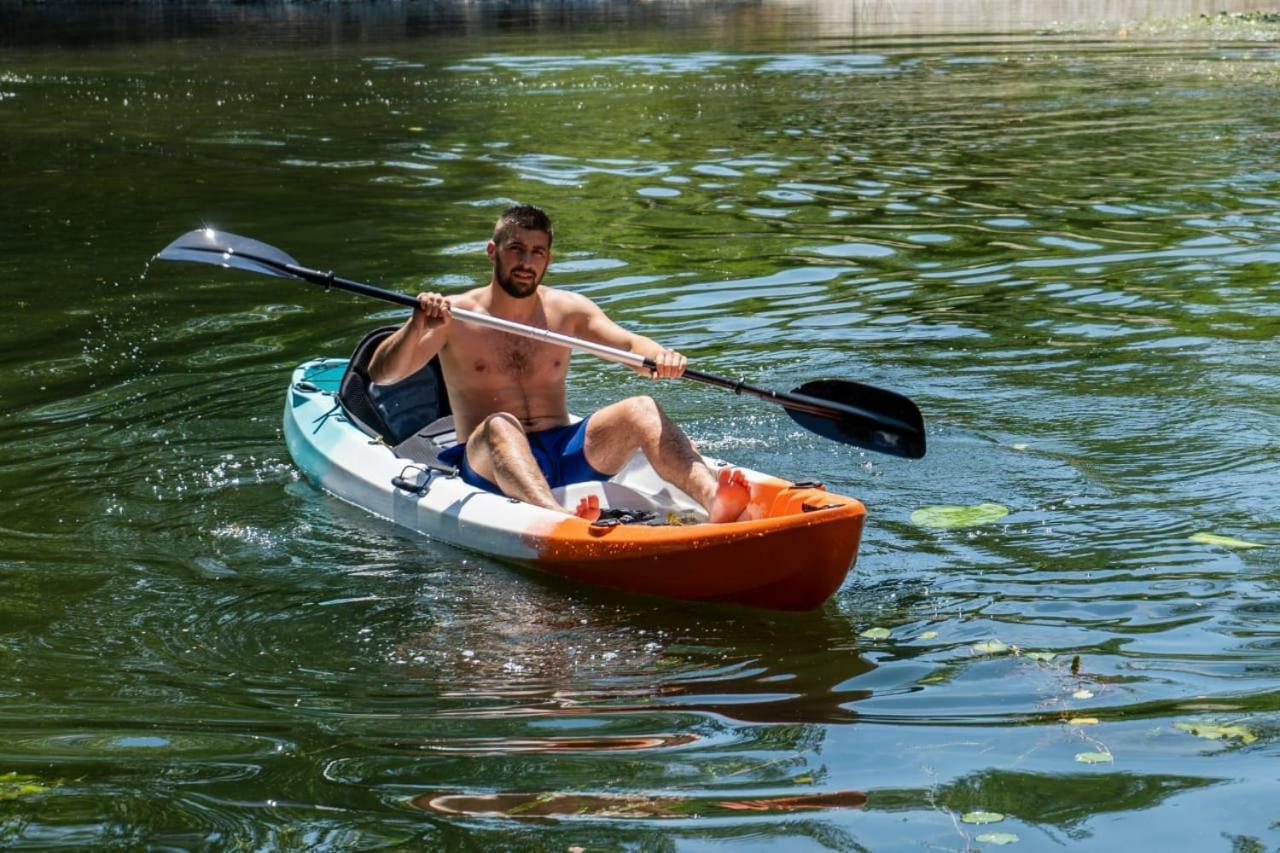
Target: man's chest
x,y
493,359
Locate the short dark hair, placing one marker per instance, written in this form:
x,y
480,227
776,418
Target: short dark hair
x,y
522,216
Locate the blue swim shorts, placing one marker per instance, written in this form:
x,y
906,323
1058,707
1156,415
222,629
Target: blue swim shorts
x,y
559,452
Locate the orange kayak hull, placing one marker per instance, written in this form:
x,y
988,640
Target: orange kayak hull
x,y
793,558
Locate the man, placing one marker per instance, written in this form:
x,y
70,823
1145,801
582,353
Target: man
x,y
508,392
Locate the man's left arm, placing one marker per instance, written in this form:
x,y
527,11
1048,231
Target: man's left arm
x,y
595,325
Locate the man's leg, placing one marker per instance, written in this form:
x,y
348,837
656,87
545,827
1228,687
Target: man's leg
x,y
638,423
499,451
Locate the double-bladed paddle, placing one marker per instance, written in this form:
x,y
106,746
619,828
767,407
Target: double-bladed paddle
x,y
839,409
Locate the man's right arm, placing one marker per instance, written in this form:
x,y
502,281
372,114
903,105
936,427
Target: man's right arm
x,y
410,347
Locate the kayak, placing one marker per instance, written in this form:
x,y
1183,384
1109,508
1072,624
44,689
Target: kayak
x,y
378,448
652,539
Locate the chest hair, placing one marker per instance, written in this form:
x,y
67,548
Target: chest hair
x,y
518,357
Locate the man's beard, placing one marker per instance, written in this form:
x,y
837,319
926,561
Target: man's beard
x,y
513,288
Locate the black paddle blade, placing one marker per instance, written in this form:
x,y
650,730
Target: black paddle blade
x,y
207,246
862,415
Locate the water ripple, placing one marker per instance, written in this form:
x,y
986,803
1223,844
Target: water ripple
x,y
1061,246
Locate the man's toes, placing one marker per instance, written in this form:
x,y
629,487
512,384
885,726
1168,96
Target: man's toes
x,y
732,479
589,508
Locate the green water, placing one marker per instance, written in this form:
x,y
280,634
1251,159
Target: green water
x,y
1065,247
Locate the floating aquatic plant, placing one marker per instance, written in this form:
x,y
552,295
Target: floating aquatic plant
x,y
982,817
14,785
1224,541
949,517
1213,731
876,634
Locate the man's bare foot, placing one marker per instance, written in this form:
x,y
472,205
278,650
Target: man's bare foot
x,y
588,508
732,496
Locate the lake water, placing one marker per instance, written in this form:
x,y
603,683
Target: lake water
x,y
1061,240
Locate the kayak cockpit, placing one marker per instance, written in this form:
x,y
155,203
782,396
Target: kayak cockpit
x,y
413,419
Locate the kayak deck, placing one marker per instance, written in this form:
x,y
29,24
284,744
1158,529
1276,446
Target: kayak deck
x,y
792,551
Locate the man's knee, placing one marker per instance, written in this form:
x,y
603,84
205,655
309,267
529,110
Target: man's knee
x,y
643,409
643,415
500,427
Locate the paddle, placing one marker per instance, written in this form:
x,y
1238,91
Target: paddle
x,y
838,409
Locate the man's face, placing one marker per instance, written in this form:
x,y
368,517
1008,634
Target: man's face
x,y
520,261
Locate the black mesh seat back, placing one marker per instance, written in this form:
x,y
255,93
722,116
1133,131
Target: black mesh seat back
x,y
391,412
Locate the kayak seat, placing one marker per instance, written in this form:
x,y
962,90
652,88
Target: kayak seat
x,y
395,413
424,445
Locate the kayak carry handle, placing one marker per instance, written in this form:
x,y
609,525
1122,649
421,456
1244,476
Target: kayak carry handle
x,y
409,486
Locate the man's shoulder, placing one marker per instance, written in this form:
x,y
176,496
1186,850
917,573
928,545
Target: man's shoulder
x,y
472,298
566,301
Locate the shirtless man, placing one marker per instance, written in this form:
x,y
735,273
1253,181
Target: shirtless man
x,y
508,392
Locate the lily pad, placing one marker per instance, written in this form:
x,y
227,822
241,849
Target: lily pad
x,y
928,635
949,517
990,647
982,817
1224,541
14,785
1095,757
1043,656
1082,721
998,838
876,634
1210,731
1082,694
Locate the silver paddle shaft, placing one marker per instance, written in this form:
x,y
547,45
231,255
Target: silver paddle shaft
x,y
533,333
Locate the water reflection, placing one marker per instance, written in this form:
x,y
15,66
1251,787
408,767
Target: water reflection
x,y
1062,248
1025,797
533,660
632,808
